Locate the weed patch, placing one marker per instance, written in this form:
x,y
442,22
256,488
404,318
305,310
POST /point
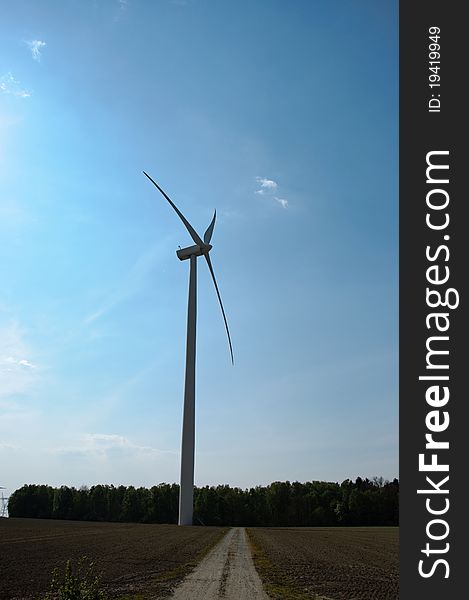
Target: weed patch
x,y
81,583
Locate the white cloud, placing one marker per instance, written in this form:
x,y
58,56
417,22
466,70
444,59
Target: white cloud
x,y
10,85
7,446
267,185
282,201
11,360
105,440
26,363
35,46
104,443
17,372
267,188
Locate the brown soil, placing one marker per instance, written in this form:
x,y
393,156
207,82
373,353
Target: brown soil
x,y
356,563
133,558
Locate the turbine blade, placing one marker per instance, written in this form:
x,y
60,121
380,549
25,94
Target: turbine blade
x,y
209,263
208,233
193,233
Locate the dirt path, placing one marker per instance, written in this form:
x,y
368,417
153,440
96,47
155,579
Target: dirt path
x,y
226,572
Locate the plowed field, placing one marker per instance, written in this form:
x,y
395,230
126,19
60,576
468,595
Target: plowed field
x,y
134,558
359,563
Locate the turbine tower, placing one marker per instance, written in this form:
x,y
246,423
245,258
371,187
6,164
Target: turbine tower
x,y
3,504
201,248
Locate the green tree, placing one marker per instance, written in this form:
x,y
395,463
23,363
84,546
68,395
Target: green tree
x,y
62,504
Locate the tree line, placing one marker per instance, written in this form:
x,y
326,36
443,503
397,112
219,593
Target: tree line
x,y
283,504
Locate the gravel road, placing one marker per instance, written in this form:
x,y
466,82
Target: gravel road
x,y
226,572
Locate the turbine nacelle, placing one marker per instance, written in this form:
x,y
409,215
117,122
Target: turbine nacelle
x,y
185,253
201,248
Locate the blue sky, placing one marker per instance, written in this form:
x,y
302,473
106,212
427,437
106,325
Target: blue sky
x,y
282,116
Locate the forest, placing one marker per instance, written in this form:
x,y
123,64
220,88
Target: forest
x,y
282,504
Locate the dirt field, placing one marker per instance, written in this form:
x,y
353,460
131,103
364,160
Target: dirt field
x,y
338,563
134,558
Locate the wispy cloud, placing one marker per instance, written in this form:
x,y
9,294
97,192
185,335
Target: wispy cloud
x,y
104,443
227,214
282,201
16,369
11,360
268,188
36,46
266,185
7,446
122,6
130,284
10,85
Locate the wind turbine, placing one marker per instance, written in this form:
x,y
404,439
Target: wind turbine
x,y
3,504
201,248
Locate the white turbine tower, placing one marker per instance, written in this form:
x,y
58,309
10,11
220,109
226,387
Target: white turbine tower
x,y
201,248
3,504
